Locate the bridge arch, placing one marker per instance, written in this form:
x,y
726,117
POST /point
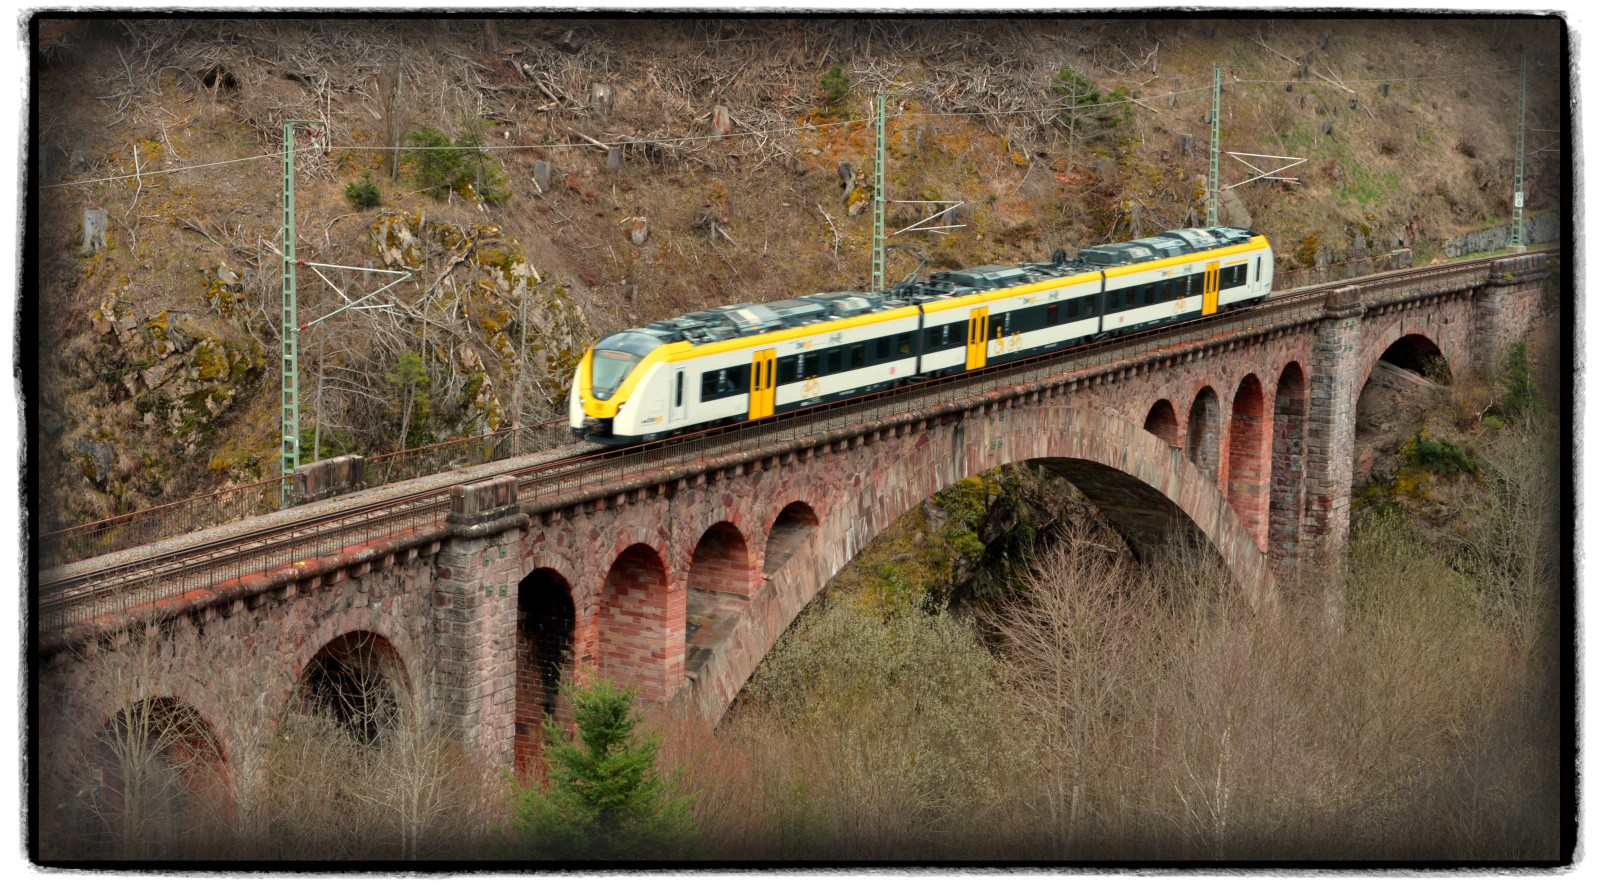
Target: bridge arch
x,y
357,679
792,528
721,561
640,619
546,637
1144,486
1287,489
1203,445
1247,463
153,776
1412,339
1162,422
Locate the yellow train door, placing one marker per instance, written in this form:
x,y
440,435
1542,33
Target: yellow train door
x,y
978,338
1208,306
763,383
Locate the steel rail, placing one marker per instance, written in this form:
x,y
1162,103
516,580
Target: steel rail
x,y
98,592
219,507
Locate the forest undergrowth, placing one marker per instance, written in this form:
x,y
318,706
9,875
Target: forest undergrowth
x,y
1116,711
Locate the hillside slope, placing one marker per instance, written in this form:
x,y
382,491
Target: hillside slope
x,y
159,377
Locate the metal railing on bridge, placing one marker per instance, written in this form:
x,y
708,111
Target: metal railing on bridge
x,y
220,507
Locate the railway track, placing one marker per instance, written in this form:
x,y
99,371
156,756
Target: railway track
x,y
84,590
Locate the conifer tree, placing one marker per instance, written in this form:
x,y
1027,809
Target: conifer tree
x,y
605,800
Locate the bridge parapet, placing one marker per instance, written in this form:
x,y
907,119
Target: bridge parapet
x,y
330,477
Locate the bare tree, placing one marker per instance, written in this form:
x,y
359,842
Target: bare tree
x,y
150,784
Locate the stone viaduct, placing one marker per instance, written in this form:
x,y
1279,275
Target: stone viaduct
x,y
677,580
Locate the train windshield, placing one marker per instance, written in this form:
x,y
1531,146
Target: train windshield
x,y
614,357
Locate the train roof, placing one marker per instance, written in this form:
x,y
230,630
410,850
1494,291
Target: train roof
x,y
742,320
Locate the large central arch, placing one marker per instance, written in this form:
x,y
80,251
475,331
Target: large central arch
x,y
1143,485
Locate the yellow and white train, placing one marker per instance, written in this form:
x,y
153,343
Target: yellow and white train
x,y
750,361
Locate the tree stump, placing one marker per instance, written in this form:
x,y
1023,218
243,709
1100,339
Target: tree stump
x,y
641,231
1327,127
94,230
1327,37
1135,218
1289,86
1185,145
721,120
541,174
600,97
1384,90
614,158
569,43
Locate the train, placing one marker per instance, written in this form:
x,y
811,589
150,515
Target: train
x,y
751,361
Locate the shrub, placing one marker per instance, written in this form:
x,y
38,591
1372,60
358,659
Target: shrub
x,y
1118,113
605,800
1440,456
835,84
443,165
363,194
1076,89
1519,395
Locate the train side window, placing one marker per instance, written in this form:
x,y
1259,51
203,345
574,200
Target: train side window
x,y
1052,315
883,348
677,393
903,344
858,356
1258,267
835,360
788,369
724,382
